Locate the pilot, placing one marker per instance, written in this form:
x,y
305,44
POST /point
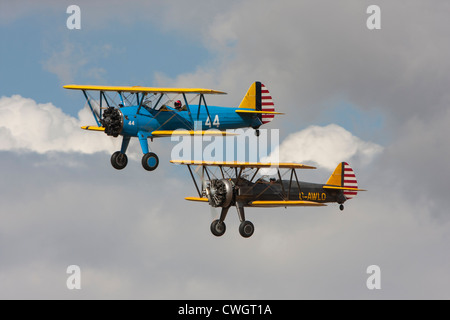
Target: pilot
x,y
177,105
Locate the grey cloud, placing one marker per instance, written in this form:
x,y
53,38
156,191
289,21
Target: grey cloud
x,y
133,235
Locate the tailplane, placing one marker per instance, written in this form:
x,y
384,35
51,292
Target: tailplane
x,y
259,100
344,178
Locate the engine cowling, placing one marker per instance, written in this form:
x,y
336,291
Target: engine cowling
x,y
112,121
220,192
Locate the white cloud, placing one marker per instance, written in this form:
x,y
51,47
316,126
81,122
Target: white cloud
x,y
29,126
326,147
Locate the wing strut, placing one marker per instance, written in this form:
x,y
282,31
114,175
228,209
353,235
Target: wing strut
x,y
96,117
290,184
188,108
281,182
195,182
296,179
254,175
202,97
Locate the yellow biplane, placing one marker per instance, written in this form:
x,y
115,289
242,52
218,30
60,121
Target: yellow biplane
x,y
235,184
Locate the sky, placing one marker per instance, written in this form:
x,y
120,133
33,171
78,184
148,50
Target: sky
x,y
377,99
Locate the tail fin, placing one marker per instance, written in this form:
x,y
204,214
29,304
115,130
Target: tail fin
x,y
344,177
258,98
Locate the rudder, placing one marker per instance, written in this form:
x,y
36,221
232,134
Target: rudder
x,y
258,98
344,176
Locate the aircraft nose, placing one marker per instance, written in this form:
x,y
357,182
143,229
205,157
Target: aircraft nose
x,y
112,121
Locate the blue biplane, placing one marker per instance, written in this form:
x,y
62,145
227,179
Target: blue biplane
x,y
145,113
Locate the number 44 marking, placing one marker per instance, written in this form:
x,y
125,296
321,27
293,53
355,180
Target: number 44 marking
x,y
216,121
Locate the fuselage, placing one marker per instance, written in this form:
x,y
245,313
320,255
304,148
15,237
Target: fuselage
x,y
136,119
273,190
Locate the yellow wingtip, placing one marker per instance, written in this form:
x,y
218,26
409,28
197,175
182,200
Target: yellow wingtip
x,y
196,199
93,128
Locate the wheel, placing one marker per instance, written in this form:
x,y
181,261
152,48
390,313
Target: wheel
x,y
150,161
246,229
341,207
218,228
119,160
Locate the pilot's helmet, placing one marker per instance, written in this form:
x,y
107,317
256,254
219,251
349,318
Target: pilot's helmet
x,y
177,104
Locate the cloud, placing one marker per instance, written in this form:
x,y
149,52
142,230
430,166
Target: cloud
x,y
416,161
312,57
71,60
326,147
134,236
66,63
29,126
12,11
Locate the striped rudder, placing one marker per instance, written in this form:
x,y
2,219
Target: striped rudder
x,y
349,180
258,98
266,105
344,177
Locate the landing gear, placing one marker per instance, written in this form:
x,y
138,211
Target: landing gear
x,y
218,228
341,207
119,160
246,229
150,161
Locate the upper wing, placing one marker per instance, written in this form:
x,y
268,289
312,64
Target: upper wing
x,y
285,203
143,89
244,164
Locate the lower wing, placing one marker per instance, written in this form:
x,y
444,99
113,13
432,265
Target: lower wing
x,y
285,203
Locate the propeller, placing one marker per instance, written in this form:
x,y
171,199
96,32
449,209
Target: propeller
x,y
112,121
